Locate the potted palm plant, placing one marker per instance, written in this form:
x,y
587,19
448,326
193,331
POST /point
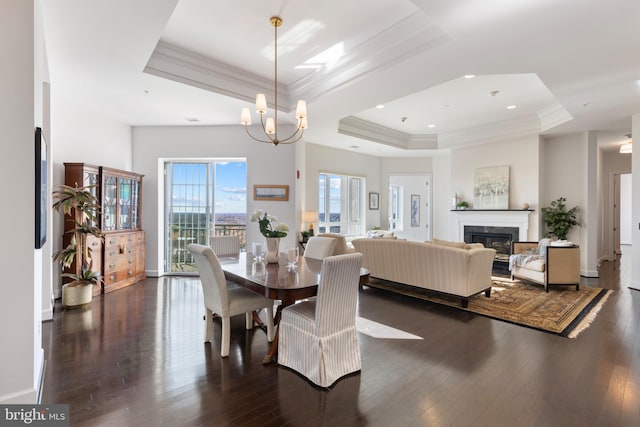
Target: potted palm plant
x,y
558,219
80,206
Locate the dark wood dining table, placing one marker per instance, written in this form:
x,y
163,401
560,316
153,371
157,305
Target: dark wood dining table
x,y
278,282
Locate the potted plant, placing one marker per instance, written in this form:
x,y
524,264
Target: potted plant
x,y
558,219
83,208
462,205
305,235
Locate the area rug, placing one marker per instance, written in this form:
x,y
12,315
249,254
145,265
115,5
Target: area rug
x,y
561,311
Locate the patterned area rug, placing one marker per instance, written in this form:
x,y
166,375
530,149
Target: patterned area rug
x,y
561,311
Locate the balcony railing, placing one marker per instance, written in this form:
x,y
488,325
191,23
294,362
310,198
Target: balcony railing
x,y
181,259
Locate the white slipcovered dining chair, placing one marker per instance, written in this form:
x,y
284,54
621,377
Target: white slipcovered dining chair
x,y
319,247
226,246
318,338
226,302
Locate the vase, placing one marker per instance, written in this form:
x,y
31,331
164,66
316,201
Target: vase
x,y
273,250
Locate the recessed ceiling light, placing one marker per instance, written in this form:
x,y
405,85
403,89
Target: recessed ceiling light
x,y
469,76
354,146
379,106
494,92
432,126
192,119
511,107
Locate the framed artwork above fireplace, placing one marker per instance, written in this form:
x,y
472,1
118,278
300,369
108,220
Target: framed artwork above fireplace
x,y
491,188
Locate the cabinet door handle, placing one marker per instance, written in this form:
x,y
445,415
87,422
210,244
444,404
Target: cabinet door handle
x,y
112,278
111,265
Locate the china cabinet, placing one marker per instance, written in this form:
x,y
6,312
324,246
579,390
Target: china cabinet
x,y
120,259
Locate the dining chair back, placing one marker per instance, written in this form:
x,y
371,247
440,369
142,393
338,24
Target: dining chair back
x,y
319,247
225,302
226,246
318,337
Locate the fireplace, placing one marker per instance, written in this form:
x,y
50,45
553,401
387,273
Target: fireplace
x,y
498,238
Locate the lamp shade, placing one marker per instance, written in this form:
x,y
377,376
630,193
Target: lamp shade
x,y
245,117
310,216
261,103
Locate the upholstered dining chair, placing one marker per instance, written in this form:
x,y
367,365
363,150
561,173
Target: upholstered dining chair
x,y
318,337
226,246
225,302
319,247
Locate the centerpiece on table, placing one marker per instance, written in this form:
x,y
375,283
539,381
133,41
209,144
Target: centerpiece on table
x,y
272,232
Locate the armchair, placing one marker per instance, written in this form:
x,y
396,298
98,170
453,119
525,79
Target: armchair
x,y
545,264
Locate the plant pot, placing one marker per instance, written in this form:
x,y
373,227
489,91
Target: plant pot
x,y
77,294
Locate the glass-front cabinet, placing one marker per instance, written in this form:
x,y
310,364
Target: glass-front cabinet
x,y
120,259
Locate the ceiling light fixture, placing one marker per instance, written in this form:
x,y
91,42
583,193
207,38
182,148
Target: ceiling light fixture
x,y
379,106
511,107
432,126
270,127
469,76
627,147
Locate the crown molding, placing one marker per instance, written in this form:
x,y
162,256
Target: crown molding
x,y
504,130
363,129
407,38
552,116
184,66
411,36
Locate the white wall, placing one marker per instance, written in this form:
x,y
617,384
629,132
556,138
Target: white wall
x,y
635,210
266,164
626,225
324,159
571,170
21,358
520,155
441,221
79,134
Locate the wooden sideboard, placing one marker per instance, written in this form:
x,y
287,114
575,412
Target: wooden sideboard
x,y
121,258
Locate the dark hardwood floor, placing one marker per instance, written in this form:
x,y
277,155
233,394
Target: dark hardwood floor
x,y
136,358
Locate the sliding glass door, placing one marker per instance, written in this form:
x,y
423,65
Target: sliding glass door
x,y
202,199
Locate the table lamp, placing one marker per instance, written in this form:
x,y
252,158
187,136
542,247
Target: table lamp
x,y
310,217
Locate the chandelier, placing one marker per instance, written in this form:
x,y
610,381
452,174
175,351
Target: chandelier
x,y
270,126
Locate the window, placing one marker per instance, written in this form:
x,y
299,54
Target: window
x,y
340,204
395,207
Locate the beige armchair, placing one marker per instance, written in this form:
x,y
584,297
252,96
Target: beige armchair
x,y
554,265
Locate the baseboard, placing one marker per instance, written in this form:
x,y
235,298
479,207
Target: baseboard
x,y
153,273
634,285
589,273
47,314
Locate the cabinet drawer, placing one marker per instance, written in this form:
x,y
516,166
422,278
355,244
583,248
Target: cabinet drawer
x,y
120,262
117,276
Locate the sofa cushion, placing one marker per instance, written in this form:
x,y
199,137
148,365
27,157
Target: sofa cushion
x,y
535,265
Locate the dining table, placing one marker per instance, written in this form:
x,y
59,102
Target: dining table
x,y
278,281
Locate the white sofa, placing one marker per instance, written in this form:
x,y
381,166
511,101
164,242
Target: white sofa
x,y
453,268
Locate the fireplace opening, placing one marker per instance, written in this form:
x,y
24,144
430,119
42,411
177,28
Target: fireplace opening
x,y
498,238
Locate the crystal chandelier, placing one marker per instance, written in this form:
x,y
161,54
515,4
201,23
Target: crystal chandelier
x,y
270,126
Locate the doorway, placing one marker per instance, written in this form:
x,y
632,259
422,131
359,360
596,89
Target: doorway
x,y
202,199
409,210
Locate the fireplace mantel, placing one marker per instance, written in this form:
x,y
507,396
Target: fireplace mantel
x,y
492,218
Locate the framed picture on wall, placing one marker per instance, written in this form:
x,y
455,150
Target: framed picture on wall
x,y
41,189
274,193
374,201
415,210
